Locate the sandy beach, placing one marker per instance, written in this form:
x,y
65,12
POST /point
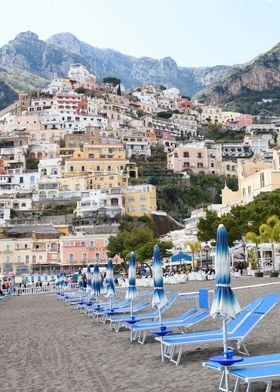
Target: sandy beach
x,y
49,347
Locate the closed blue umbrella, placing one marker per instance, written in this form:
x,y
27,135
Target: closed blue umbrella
x,y
80,279
110,287
225,305
97,285
88,275
131,292
159,296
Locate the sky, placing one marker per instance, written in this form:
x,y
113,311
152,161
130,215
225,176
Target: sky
x,y
192,32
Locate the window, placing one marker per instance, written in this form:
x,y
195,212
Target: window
x,y
143,197
7,259
27,259
19,259
186,164
97,255
71,168
97,168
262,179
21,180
8,248
84,257
82,168
130,198
200,165
71,257
83,243
91,244
212,164
34,259
249,190
199,155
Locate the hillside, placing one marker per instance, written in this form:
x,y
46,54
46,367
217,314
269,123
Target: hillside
x,y
43,60
252,88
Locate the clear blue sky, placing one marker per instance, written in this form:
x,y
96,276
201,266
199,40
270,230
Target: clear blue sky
x,y
193,32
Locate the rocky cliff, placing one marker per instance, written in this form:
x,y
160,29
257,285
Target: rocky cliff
x,y
248,85
51,58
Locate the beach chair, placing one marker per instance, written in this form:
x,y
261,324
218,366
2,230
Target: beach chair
x,y
257,372
119,321
238,330
121,310
183,322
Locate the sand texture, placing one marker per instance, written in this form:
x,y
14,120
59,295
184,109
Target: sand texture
x,y
47,346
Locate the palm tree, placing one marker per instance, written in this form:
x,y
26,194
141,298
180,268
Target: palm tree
x,y
194,247
255,239
270,231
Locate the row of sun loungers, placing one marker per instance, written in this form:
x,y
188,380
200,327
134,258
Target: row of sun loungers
x,y
264,368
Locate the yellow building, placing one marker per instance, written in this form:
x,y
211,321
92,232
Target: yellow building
x,y
140,200
99,160
53,188
250,186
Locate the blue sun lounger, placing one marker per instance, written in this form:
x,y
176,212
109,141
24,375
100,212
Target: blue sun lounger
x,y
119,321
258,368
183,322
238,330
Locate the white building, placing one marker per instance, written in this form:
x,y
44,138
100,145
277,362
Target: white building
x,y
109,202
137,149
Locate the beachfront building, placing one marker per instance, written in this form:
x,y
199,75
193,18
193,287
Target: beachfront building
x,y
79,249
140,200
28,248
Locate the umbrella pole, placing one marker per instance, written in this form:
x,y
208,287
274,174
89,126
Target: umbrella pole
x,y
161,340
131,314
225,353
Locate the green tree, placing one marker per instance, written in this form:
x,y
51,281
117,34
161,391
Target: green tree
x,y
256,240
270,231
194,247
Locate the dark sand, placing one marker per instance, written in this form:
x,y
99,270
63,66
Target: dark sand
x,y
49,347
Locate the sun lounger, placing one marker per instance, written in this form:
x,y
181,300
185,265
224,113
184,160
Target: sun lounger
x,y
183,322
119,321
257,363
121,310
237,332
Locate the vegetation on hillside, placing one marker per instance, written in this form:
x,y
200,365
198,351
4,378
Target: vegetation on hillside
x,y
178,194
241,219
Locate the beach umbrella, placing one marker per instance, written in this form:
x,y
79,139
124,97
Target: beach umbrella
x,y
110,287
225,305
159,296
80,279
97,284
131,292
88,275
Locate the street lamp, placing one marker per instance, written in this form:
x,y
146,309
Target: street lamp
x,y
206,248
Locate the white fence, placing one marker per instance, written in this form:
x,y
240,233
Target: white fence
x,y
32,290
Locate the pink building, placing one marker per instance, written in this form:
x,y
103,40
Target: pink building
x,y
81,249
245,120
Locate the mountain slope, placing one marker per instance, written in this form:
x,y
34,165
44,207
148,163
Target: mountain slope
x,y
29,62
246,87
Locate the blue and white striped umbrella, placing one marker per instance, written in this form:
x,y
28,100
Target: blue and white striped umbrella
x,y
80,279
88,275
159,296
225,305
97,285
110,287
131,292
